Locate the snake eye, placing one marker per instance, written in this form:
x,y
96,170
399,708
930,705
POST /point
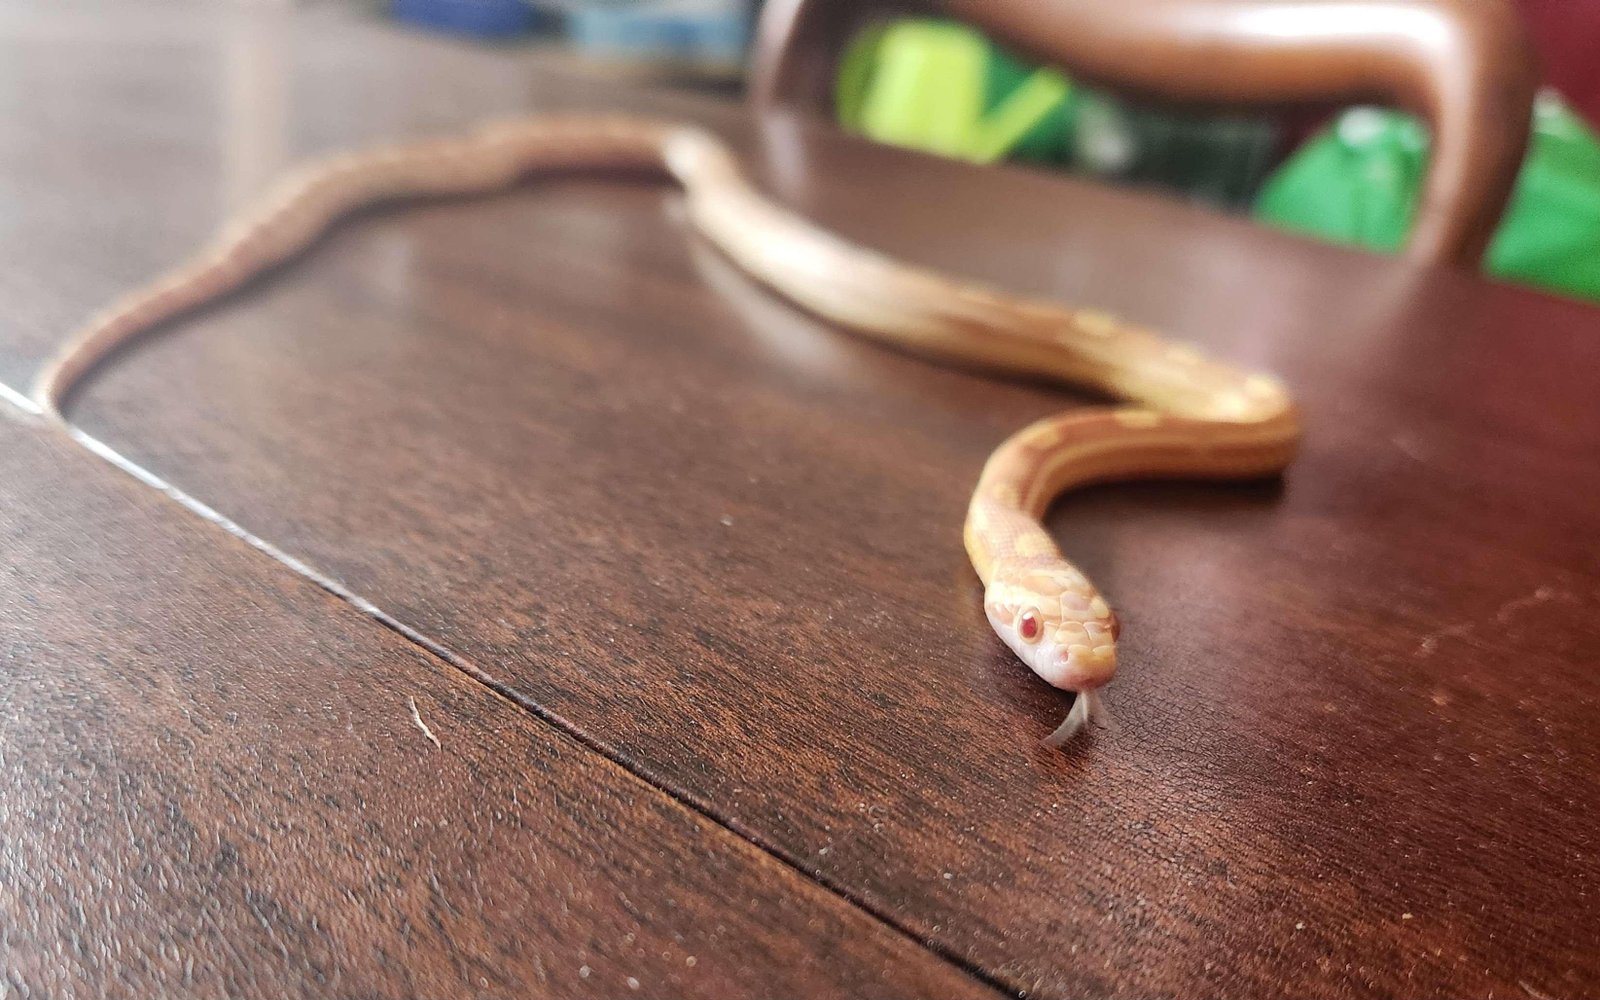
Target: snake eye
x,y
1028,626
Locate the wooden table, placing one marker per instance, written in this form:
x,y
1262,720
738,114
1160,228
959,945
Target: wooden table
x,y
651,661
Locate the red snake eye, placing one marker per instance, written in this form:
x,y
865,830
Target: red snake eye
x,y
1028,626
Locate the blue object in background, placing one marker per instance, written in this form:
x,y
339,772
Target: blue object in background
x,y
711,31
478,18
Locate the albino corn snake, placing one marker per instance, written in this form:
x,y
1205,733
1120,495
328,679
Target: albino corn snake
x,y
1185,416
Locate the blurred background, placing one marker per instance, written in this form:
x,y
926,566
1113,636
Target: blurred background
x,y
701,44
1353,175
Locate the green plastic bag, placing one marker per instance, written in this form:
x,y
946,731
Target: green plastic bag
x,y
942,87
1358,182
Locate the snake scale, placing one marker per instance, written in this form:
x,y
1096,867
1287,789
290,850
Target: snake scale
x,y
1183,415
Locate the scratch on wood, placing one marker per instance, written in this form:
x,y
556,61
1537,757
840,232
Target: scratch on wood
x,y
1503,614
1539,596
1430,642
417,718
1409,449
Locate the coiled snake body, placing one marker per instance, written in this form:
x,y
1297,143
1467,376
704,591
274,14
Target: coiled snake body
x,y
1186,416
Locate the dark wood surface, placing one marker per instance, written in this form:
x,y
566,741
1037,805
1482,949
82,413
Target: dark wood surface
x,y
220,780
718,542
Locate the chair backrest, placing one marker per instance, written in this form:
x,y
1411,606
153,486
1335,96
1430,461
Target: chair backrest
x,y
1465,66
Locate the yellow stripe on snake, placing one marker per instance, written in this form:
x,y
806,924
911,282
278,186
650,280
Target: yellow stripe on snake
x,y
1186,416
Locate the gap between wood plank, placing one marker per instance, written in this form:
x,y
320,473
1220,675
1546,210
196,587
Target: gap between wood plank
x,y
465,665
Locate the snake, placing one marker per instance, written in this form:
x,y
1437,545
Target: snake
x,y
1176,413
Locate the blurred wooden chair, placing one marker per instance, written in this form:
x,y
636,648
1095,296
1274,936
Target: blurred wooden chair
x,y
1465,66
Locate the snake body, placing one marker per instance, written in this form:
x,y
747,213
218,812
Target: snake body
x,y
1186,416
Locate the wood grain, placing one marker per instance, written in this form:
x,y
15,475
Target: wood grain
x,y
1358,752
219,780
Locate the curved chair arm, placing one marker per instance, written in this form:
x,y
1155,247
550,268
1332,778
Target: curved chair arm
x,y
1465,66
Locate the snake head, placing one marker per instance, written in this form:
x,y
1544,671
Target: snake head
x,y
1055,622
